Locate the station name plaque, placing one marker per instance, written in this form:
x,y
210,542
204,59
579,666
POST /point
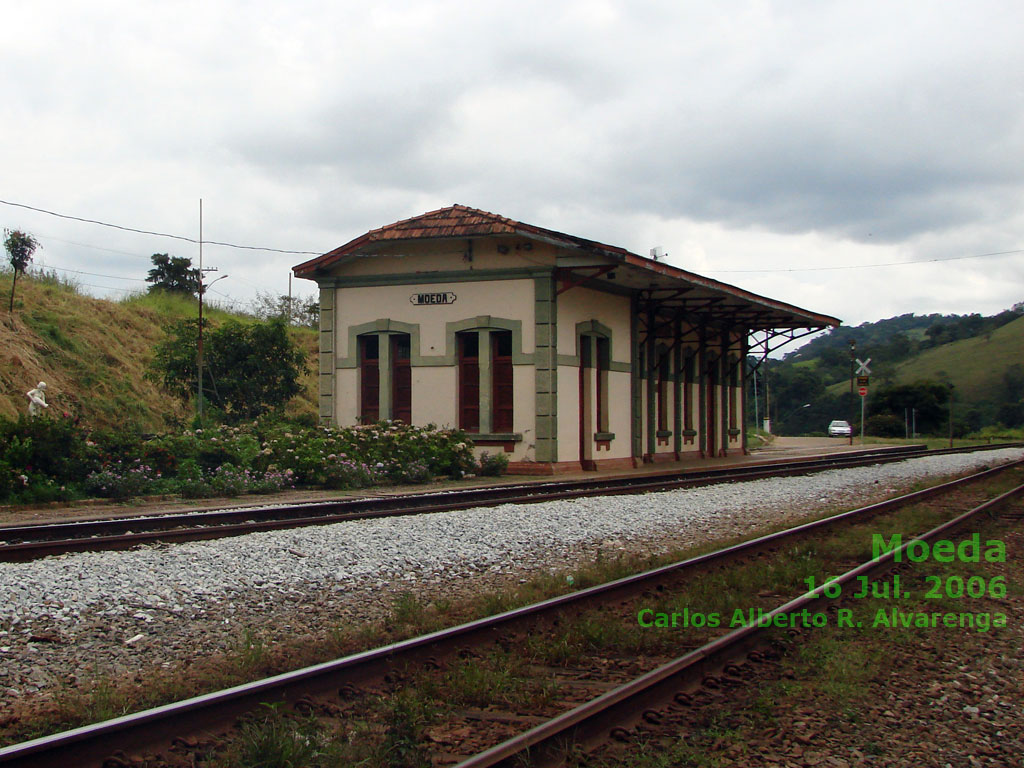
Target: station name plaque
x,y
429,299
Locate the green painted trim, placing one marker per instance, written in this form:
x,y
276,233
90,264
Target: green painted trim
x,y
593,328
651,415
481,323
604,436
545,319
449,357
326,356
635,423
382,327
677,391
498,437
702,370
485,384
429,278
384,371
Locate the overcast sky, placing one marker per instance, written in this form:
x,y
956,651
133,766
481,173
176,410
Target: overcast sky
x,y
803,150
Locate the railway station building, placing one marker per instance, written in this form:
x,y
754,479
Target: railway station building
x,y
563,352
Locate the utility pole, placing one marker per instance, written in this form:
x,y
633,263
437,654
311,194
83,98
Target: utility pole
x,y
951,415
853,351
199,341
757,420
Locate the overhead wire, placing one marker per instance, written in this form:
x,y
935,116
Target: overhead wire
x,y
155,234
866,266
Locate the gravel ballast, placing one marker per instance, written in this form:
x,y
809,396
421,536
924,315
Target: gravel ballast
x,y
74,616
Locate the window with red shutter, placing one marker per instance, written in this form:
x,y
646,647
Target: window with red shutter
x,y
501,381
369,378
469,381
401,379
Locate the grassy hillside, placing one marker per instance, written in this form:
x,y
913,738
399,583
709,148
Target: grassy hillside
x,y
975,366
93,354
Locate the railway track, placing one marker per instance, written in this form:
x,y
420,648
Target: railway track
x,y
29,542
176,730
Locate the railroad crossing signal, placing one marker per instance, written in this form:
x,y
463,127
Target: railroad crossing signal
x,y
862,391
863,370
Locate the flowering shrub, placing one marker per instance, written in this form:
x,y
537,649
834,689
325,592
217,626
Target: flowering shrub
x,y
272,481
122,481
46,458
414,472
493,465
340,472
388,446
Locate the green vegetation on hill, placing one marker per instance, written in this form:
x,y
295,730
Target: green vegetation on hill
x,y
976,366
914,360
94,354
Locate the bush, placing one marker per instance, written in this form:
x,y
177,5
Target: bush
x,y
340,473
493,466
45,458
190,481
272,482
414,472
51,447
885,425
228,480
122,481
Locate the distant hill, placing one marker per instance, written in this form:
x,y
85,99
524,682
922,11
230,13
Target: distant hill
x,y
980,356
976,366
93,353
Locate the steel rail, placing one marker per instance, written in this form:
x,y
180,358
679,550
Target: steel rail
x,y
358,504
92,744
551,743
21,543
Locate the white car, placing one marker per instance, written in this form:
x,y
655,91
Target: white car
x,y
839,429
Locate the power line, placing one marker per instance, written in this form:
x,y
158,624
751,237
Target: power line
x,y
93,247
94,274
156,234
866,266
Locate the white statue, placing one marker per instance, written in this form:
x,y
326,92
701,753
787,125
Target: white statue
x,y
37,399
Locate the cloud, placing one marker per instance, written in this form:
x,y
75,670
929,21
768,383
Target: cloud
x,y
735,135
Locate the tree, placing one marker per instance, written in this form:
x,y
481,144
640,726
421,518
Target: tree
x,y
298,311
20,247
173,274
249,368
930,400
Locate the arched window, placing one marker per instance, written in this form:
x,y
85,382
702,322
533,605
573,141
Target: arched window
x,y
385,377
486,391
501,381
369,378
401,378
469,380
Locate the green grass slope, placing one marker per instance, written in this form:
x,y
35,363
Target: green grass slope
x,y
94,354
975,366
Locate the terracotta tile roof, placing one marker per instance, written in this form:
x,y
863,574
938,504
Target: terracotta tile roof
x,y
456,221
460,221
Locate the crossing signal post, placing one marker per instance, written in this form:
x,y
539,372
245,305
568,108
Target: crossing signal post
x,y
853,350
862,390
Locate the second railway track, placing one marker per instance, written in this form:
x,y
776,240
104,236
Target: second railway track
x,y
329,686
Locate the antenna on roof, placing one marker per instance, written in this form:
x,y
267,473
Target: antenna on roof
x,y
658,253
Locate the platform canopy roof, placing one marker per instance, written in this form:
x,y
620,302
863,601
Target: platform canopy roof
x,y
660,287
